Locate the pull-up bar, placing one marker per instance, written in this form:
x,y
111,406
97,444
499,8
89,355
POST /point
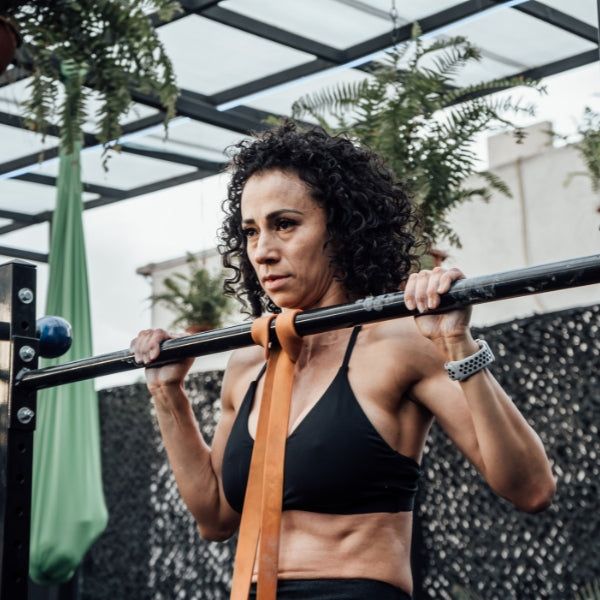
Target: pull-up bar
x,y
475,290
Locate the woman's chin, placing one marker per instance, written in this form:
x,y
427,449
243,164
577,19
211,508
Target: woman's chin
x,y
284,301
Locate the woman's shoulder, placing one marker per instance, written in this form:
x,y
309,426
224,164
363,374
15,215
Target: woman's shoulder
x,y
245,359
398,342
242,368
397,333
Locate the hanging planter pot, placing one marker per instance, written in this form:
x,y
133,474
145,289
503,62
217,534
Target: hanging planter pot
x,y
10,40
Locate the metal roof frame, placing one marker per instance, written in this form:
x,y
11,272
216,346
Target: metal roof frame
x,y
229,110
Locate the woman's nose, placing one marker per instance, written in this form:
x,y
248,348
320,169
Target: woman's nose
x,y
266,248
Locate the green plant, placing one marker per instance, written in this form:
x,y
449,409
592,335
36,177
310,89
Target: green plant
x,y
414,114
590,591
589,147
113,41
461,593
196,298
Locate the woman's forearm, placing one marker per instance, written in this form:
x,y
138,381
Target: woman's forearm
x,y
513,459
190,458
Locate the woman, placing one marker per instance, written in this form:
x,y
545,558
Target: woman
x,y
313,221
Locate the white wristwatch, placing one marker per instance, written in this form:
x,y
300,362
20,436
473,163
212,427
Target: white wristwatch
x,y
459,370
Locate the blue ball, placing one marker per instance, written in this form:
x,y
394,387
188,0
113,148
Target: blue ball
x,y
56,335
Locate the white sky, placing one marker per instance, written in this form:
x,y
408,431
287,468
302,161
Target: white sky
x,y
132,233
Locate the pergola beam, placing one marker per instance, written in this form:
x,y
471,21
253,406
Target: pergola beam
x,y
273,34
559,19
24,254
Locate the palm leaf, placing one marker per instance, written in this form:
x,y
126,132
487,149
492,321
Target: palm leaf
x,y
331,100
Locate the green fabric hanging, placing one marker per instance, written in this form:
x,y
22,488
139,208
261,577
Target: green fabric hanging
x,y
68,508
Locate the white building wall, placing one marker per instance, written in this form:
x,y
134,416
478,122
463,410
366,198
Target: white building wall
x,y
546,220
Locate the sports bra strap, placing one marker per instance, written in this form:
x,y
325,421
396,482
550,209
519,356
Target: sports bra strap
x,y
261,372
347,356
351,343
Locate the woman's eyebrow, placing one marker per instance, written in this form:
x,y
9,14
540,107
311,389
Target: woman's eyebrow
x,y
275,214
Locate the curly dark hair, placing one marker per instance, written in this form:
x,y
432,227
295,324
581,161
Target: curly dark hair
x,y
370,220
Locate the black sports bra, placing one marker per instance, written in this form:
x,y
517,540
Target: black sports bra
x,y
336,462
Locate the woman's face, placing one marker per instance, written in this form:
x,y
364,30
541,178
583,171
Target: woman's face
x,y
286,232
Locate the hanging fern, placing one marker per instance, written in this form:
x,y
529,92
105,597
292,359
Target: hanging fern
x,y
413,113
113,41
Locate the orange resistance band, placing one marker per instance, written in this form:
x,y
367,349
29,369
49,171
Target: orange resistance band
x,y
261,515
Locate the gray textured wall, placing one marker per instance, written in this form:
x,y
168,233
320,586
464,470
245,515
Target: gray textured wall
x,y
464,536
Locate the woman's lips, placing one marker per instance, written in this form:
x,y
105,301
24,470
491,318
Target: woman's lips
x,y
274,282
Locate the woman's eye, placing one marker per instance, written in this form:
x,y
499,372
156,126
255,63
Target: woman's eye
x,y
248,232
285,224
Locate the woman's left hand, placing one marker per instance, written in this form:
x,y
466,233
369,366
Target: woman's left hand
x,y
423,291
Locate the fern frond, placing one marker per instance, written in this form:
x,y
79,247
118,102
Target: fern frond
x,y
589,146
331,100
590,591
496,183
461,593
120,47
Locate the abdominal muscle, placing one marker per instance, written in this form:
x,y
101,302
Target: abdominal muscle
x,y
370,546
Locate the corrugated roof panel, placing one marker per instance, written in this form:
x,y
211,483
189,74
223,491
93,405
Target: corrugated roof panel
x,y
196,139
521,38
584,10
29,198
16,143
210,57
125,171
416,11
213,57
336,24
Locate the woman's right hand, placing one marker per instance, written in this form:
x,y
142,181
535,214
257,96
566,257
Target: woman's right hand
x,y
146,349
